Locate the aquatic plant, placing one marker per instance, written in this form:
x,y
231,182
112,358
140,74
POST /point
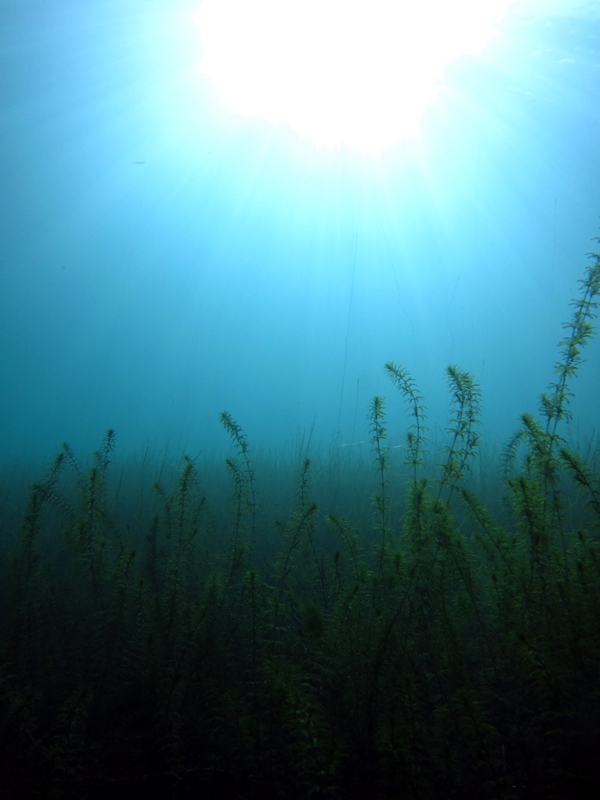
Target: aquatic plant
x,y
428,647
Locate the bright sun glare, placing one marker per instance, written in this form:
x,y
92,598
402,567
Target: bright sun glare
x,y
350,73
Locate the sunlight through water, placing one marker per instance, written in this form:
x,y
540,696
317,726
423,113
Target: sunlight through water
x,y
350,73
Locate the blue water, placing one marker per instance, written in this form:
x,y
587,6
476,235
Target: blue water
x,y
162,261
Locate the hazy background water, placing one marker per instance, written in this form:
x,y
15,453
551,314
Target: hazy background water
x,y
162,260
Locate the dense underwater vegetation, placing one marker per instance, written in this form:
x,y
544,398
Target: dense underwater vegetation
x,y
325,627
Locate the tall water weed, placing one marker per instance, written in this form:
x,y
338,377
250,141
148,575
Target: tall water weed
x,y
428,647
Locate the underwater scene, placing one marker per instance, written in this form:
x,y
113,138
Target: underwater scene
x,y
300,467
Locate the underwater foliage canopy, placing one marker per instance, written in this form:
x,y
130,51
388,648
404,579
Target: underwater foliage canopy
x,y
439,640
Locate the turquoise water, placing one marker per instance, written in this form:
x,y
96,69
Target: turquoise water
x,y
303,540
163,260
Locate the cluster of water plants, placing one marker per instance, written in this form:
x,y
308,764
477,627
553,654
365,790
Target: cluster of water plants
x,y
425,643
